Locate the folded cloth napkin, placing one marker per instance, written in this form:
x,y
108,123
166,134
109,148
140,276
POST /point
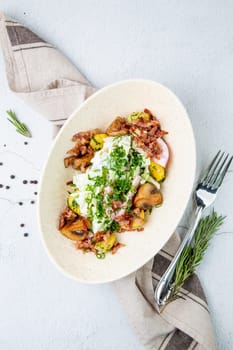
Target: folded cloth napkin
x,y
47,81
41,75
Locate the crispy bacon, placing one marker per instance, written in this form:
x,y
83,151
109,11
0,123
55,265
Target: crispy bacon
x,y
117,246
67,216
84,137
81,154
118,127
145,134
82,163
68,161
147,111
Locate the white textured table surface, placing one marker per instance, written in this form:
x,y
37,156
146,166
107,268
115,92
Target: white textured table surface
x,y
184,45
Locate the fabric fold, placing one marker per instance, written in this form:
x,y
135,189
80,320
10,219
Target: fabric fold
x,y
41,75
183,324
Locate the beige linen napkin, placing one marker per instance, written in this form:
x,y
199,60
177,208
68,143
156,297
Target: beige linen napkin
x,y
47,81
39,74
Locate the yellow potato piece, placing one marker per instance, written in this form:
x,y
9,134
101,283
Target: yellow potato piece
x,y
97,141
142,214
73,205
157,171
104,246
137,115
137,223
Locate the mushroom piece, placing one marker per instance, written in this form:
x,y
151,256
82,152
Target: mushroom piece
x,y
147,197
66,217
82,163
77,230
117,127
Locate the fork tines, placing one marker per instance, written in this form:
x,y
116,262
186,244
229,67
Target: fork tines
x,y
217,170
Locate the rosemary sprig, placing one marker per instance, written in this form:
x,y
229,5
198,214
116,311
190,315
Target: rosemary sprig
x,y
192,256
20,127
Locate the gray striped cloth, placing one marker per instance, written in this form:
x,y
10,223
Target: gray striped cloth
x,y
49,83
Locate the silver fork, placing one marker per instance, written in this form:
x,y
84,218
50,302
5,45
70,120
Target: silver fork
x,y
204,195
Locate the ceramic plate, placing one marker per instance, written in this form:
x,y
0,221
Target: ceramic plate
x,y
97,112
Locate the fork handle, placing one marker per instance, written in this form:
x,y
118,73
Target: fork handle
x,y
164,289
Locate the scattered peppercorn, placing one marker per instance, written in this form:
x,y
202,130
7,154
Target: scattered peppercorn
x,y
22,225
35,193
1,163
35,182
20,203
25,182
32,202
25,234
7,187
4,145
12,176
1,185
25,142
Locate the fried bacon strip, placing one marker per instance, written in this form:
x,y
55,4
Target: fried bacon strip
x,y
118,127
66,217
82,153
146,133
84,137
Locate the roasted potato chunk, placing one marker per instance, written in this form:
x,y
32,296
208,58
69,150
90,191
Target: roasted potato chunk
x,y
157,171
97,141
73,205
104,246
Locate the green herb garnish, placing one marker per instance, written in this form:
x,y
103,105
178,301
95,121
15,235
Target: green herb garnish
x,y
100,255
72,185
124,164
113,226
20,127
192,256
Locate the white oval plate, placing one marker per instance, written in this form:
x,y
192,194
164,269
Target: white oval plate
x,y
98,111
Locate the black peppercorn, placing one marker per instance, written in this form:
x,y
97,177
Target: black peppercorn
x,y
1,185
12,176
7,187
25,182
22,225
20,203
25,234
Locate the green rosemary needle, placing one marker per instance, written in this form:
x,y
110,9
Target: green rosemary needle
x,y
192,255
20,127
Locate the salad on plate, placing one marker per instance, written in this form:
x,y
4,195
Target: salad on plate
x,y
117,181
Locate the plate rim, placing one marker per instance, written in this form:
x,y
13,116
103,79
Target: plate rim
x,y
52,146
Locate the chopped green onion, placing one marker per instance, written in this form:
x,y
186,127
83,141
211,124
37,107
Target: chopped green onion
x,y
100,255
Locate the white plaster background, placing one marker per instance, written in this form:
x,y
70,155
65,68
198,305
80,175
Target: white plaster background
x,y
185,45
